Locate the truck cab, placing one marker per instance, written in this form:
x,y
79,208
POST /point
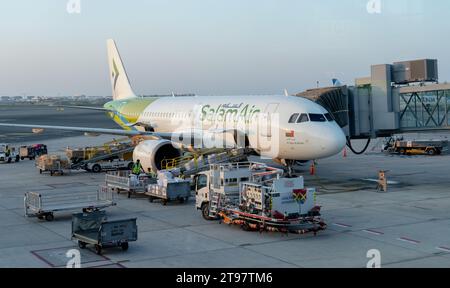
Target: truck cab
x,y
8,153
32,151
201,188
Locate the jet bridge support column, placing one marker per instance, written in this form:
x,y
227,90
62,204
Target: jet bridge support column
x,y
384,117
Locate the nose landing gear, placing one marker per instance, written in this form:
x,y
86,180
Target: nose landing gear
x,y
289,166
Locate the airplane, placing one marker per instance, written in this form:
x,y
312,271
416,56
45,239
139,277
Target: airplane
x,y
285,128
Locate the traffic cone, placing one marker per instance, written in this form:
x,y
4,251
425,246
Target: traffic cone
x,y
312,169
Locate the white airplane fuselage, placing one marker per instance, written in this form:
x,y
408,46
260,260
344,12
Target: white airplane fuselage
x,y
263,119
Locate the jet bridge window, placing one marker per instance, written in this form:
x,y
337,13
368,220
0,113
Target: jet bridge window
x,y
303,118
317,118
329,117
293,118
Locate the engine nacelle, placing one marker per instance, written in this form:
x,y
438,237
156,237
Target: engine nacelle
x,y
151,153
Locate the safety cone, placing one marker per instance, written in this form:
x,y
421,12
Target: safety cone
x,y
312,169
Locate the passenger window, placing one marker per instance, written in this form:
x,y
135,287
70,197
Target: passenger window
x,y
317,118
329,117
293,118
303,118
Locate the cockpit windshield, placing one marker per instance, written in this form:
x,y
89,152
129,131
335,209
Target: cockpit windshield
x,y
303,118
293,118
313,117
329,117
317,118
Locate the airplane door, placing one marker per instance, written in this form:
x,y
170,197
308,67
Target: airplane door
x,y
265,126
266,119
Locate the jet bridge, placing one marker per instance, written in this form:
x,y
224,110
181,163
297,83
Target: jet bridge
x,y
396,98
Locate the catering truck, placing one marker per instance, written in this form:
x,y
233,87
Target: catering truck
x,y
257,197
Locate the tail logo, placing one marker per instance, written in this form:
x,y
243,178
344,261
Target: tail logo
x,y
115,74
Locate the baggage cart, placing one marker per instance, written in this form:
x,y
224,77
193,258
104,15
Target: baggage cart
x,y
44,204
55,167
53,164
173,191
128,182
93,228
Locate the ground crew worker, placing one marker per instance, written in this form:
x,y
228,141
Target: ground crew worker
x,y
8,151
137,168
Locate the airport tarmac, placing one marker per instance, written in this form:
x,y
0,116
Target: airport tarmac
x,y
409,224
47,115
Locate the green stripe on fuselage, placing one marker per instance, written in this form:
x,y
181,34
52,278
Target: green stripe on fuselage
x,y
127,111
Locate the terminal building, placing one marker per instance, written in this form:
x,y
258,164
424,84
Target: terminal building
x,y
395,98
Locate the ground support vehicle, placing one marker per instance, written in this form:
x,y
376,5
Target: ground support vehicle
x,y
257,197
113,165
418,147
225,179
263,208
8,154
94,228
32,151
110,149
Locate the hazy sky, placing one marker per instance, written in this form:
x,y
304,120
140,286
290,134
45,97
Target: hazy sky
x,y
212,46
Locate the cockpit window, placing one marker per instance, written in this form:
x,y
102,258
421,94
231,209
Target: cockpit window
x,y
303,118
329,117
317,118
293,118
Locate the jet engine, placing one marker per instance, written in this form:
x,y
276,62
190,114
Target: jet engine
x,y
151,153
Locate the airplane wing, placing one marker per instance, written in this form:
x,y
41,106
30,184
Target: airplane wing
x,y
83,107
91,130
175,137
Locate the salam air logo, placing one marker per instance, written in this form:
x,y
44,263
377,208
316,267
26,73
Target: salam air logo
x,y
115,73
229,112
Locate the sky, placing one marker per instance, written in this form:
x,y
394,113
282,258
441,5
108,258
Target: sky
x,y
213,47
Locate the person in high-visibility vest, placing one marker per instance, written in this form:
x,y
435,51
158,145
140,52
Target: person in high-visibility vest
x,y
137,168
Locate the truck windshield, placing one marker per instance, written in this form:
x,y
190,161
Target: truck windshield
x,y
201,182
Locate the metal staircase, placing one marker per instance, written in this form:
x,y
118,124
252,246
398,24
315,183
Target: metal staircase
x,y
214,203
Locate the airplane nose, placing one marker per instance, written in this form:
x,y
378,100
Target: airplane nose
x,y
333,141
